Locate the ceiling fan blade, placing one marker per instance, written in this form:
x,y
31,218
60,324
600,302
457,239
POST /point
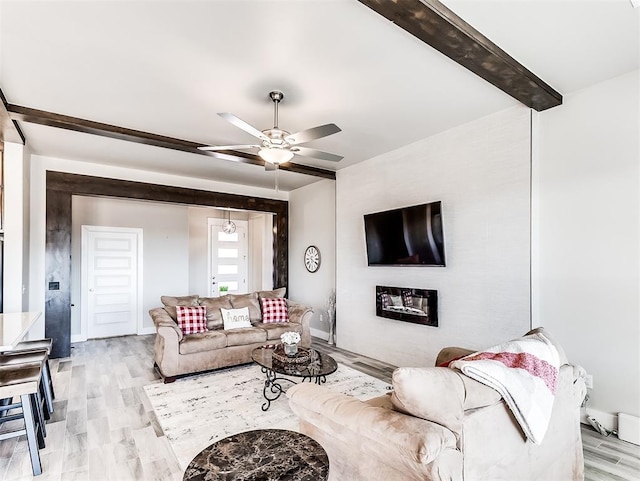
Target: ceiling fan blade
x,y
316,154
241,124
226,147
312,134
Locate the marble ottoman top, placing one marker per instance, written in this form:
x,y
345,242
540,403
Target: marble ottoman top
x,y
261,455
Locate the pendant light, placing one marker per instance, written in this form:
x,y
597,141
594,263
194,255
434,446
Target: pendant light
x,y
228,227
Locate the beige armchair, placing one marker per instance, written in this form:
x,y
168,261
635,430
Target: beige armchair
x,y
465,431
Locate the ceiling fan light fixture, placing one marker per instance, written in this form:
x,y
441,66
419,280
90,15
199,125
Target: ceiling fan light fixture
x,y
275,155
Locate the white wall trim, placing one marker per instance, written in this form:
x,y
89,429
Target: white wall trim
x,y
320,334
146,330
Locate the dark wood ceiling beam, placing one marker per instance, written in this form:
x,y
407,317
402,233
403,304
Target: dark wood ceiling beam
x,y
41,117
433,23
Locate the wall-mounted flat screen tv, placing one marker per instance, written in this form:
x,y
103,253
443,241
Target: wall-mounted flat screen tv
x,y
411,236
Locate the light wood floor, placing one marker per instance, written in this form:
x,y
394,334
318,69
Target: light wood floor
x,y
104,428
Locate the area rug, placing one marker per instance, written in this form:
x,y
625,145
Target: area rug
x,y
197,411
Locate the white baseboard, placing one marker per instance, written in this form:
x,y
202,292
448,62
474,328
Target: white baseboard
x,y
320,334
629,428
608,420
626,425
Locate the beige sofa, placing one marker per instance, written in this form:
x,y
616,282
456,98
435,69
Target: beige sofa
x,y
177,354
469,434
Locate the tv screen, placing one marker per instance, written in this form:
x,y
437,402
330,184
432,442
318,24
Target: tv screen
x,y
407,236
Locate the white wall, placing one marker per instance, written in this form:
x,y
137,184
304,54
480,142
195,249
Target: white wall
x,y
587,245
165,248
312,222
481,173
39,166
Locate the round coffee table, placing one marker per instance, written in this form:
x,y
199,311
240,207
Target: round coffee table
x,y
260,455
316,369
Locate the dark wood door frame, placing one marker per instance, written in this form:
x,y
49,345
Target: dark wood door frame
x,y
62,186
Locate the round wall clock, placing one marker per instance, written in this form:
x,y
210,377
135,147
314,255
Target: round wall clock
x,y
312,258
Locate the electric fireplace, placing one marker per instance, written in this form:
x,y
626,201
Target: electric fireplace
x,y
419,306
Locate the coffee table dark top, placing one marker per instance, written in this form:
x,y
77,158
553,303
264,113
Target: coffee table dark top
x,y
320,365
261,455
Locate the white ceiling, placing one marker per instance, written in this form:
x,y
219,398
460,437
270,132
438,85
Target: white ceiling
x,y
167,67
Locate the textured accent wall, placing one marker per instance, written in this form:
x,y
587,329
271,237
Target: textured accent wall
x,y
481,173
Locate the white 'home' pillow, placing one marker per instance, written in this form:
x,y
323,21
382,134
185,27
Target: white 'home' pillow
x,y
235,318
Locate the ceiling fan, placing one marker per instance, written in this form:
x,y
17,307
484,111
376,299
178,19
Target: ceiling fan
x,y
279,146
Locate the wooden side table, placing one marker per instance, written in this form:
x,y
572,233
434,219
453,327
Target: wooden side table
x,y
261,455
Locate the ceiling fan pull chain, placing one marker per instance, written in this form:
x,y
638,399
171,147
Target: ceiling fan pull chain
x,y
277,169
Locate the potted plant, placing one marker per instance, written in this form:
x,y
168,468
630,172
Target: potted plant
x,y
290,341
223,289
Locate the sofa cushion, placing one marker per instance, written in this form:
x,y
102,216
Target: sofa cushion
x,y
170,303
275,330
191,301
205,341
235,318
247,300
192,320
213,305
432,393
274,310
244,336
276,293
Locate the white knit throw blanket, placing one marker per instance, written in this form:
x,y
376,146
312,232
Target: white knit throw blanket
x,y
525,372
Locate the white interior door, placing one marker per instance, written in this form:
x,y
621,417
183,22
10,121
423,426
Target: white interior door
x,y
228,254
111,280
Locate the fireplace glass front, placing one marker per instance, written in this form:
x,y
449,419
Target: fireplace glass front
x,y
419,306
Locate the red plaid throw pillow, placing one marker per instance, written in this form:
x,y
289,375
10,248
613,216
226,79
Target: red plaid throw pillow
x,y
192,320
274,310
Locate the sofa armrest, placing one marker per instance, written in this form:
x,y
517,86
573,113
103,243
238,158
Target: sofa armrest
x,y
388,432
165,325
448,354
301,314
